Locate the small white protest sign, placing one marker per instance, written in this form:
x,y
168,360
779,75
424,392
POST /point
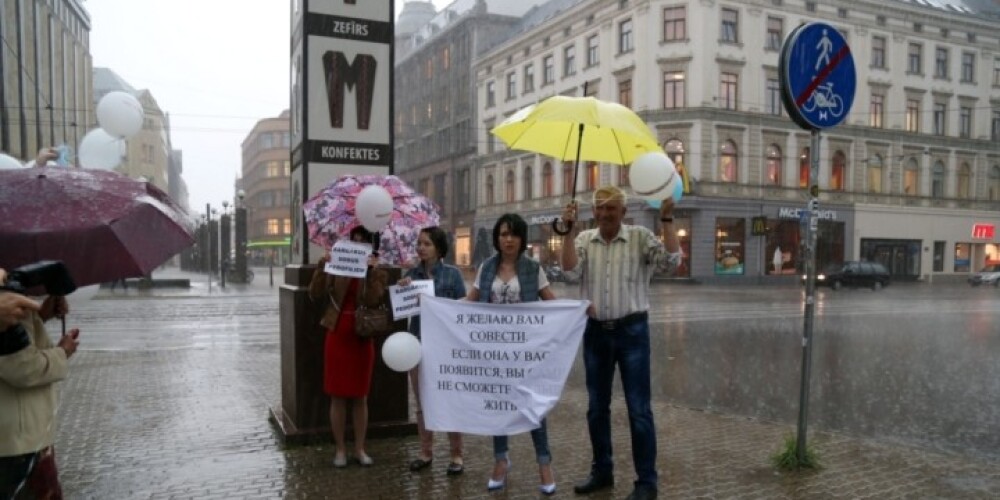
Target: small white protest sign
x,y
348,258
406,299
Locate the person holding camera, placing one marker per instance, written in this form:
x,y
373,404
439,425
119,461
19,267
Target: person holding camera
x,y
28,401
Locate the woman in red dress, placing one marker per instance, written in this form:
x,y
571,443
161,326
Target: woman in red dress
x,y
348,360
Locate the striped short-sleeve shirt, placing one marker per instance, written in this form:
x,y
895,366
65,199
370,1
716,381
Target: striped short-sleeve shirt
x,y
615,276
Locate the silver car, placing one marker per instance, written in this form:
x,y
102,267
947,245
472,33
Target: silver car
x,y
989,275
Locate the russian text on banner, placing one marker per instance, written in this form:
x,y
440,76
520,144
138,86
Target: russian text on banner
x,y
495,369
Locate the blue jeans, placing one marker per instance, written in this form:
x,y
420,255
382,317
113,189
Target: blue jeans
x,y
539,437
628,347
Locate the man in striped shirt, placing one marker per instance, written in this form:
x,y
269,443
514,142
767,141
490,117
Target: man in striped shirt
x,y
614,263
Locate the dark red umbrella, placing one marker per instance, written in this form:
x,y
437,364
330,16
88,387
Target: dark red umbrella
x,y
103,225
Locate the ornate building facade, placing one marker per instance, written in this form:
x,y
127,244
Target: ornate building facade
x,y
911,179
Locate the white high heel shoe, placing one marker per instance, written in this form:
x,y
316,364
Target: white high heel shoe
x,y
498,484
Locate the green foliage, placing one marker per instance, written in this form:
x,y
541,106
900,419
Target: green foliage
x,y
787,457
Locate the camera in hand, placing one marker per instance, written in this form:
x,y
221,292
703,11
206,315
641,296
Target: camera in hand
x,y
51,275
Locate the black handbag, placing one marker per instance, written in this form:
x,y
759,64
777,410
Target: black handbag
x,y
372,322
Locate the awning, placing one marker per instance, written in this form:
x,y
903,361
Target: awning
x,y
270,243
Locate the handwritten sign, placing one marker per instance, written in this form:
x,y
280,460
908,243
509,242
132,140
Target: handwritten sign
x,y
348,258
405,300
494,369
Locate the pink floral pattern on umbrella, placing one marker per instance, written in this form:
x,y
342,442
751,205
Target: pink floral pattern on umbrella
x,y
330,215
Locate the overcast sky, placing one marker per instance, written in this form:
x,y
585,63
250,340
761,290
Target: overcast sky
x,y
217,66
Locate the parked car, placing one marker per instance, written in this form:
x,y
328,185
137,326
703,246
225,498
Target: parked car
x,y
854,274
989,275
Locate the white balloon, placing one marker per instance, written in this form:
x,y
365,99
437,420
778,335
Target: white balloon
x,y
99,150
373,207
653,176
120,114
9,162
401,351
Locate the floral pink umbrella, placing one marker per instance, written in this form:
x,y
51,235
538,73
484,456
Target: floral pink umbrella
x,y
330,215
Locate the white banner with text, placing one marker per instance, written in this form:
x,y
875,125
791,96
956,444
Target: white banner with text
x,y
495,369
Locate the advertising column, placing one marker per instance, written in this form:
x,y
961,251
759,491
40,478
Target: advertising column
x,y
341,110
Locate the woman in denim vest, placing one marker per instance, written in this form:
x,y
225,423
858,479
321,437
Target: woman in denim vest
x,y
432,246
506,278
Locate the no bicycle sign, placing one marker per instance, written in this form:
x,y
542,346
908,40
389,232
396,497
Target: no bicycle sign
x,y
817,75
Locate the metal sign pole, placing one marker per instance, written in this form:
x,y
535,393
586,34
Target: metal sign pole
x,y
810,305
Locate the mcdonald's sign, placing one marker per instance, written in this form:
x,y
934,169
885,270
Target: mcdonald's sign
x,y
758,226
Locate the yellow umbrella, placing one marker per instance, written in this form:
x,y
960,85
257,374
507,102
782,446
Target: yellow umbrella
x,y
578,128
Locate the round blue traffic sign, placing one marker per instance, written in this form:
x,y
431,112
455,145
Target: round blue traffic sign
x,y
817,76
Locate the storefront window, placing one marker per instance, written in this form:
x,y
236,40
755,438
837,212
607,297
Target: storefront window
x,y
962,252
900,257
782,247
938,256
730,234
683,227
829,244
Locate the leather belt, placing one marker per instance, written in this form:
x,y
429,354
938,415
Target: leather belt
x,y
622,322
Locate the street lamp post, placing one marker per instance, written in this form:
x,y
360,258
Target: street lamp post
x,y
209,236
224,225
241,236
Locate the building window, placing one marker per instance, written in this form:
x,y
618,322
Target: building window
x,y
968,67
675,151
625,42
940,62
547,184
464,188
993,191
491,198
804,168
491,94
772,100
996,72
838,171
528,184
569,60
964,181
876,110
911,177
912,115
273,226
592,51
593,176
914,59
510,188
548,70
529,78
287,226
937,180
940,117
625,93
773,165
938,256
878,52
673,89
775,33
730,233
995,125
728,90
675,24
730,26
875,174
567,177
965,122
511,85
728,162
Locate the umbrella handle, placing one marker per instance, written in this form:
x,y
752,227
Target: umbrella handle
x,y
557,226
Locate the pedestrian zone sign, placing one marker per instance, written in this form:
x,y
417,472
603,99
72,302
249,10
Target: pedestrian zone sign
x,y
817,76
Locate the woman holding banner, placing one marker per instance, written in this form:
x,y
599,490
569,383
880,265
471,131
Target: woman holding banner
x,y
506,278
432,246
348,360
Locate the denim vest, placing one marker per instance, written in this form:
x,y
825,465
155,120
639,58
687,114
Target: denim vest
x,y
448,283
527,277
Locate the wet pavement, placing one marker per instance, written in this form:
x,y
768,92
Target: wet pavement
x,y
169,395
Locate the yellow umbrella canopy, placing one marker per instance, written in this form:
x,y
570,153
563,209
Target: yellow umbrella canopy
x,y
603,131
